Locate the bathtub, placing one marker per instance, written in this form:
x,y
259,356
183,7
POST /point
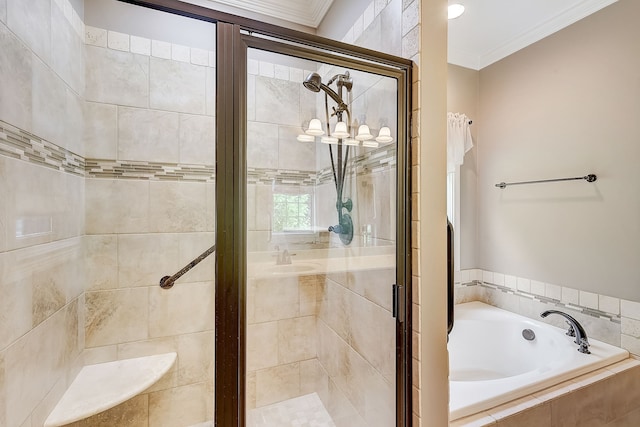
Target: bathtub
x,y
490,362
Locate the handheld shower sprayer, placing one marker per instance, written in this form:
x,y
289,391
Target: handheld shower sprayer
x,y
313,82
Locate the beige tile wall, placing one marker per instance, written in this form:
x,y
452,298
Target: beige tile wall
x,y
40,330
41,220
3,11
281,337
356,342
322,334
147,107
367,31
292,351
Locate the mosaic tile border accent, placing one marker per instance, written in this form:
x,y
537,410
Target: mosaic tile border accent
x,y
615,318
116,169
23,145
370,162
281,176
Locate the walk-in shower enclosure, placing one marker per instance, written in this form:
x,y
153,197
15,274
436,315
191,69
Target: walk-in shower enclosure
x,y
195,130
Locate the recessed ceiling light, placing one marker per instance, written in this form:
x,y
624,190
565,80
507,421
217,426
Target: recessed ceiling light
x,y
455,10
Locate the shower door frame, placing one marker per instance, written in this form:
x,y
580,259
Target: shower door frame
x,y
230,256
403,174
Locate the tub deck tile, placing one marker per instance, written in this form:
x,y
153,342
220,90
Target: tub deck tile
x,y
624,365
590,378
480,419
511,408
555,391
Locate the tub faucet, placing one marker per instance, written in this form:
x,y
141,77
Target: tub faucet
x,y
575,330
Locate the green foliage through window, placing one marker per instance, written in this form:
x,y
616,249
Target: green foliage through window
x,y
291,212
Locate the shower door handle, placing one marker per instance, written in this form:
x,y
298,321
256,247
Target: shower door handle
x,y
398,300
450,278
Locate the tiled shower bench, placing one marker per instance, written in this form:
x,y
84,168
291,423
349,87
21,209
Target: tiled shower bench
x,y
102,386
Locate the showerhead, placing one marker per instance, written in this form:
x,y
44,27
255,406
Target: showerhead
x,y
313,82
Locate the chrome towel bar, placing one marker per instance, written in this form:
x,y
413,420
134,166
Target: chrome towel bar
x,y
589,178
167,281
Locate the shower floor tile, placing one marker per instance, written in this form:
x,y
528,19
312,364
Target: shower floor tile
x,y
303,411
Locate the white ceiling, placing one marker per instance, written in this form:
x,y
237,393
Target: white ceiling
x,y
304,12
488,31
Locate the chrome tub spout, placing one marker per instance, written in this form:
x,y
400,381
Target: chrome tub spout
x,y
575,330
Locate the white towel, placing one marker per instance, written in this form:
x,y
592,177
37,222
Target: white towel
x,y
459,139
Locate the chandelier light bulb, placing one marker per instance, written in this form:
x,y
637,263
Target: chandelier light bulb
x,y
384,136
340,130
315,128
364,133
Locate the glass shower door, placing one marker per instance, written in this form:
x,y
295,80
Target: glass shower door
x,y
321,201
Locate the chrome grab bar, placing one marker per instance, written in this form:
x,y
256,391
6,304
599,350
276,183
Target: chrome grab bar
x,y
589,178
167,281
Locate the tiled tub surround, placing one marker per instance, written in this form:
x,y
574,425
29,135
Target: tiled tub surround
x,y
609,319
491,363
41,207
607,397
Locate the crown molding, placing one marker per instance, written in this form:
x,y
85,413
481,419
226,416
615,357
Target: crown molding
x,y
304,12
541,31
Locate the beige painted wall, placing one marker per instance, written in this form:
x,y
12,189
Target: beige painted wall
x,y
565,106
429,218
